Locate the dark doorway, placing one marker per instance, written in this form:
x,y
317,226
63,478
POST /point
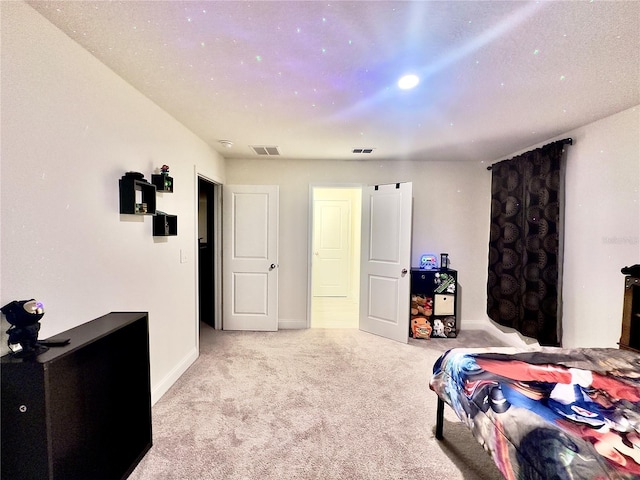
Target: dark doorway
x,y
206,256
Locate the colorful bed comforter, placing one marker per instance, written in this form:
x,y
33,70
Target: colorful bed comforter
x,y
550,413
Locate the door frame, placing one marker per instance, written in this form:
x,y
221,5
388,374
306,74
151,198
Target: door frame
x,y
217,249
336,186
210,190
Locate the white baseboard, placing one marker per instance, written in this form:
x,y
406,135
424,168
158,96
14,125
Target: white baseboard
x,y
165,384
291,324
474,325
512,338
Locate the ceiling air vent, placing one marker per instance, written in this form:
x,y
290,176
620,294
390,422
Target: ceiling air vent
x,y
265,150
362,150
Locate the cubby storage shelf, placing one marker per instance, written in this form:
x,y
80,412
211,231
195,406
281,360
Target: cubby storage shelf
x,y
163,183
165,225
137,196
433,298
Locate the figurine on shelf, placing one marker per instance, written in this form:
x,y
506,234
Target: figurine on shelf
x,y
24,317
167,179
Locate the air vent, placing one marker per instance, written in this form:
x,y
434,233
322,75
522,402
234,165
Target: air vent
x,y
265,150
362,150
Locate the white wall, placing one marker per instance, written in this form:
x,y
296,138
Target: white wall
x,y
602,227
70,129
451,214
452,211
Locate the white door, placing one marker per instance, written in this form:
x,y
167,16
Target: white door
x,y
250,257
386,260
331,241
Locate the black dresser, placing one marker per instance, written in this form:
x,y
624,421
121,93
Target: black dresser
x,y
81,411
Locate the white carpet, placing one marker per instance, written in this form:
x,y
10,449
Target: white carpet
x,y
310,404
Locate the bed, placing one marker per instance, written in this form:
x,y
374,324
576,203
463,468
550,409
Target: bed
x,y
550,413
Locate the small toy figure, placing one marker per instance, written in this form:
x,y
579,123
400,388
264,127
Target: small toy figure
x,y
450,327
444,282
164,169
438,328
24,317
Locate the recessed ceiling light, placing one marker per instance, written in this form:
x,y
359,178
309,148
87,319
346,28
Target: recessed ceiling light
x,y
226,143
408,81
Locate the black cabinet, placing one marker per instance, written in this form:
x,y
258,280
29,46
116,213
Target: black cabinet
x,y
81,411
137,196
434,305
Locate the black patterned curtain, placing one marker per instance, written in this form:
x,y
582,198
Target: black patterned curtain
x,y
523,287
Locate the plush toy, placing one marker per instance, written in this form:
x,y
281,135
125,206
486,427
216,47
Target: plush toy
x,y
450,327
420,327
421,305
438,328
421,310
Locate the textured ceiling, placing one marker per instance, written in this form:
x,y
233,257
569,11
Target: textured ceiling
x,y
318,79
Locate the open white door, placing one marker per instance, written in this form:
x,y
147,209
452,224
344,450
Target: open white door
x,y
250,257
386,260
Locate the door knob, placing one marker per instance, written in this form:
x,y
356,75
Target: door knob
x,y
404,271
273,265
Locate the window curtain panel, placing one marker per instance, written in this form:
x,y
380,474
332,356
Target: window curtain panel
x,y
525,245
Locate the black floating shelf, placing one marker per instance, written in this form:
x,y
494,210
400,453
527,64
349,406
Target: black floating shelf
x,y
165,225
137,196
163,183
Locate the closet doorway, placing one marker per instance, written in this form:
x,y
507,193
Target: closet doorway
x,y
335,256
209,247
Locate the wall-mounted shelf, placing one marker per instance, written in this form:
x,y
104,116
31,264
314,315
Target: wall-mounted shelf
x,y
163,183
165,225
137,196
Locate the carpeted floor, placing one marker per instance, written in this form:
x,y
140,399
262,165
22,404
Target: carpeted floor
x,y
311,404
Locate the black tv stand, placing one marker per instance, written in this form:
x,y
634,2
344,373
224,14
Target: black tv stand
x,y
80,410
